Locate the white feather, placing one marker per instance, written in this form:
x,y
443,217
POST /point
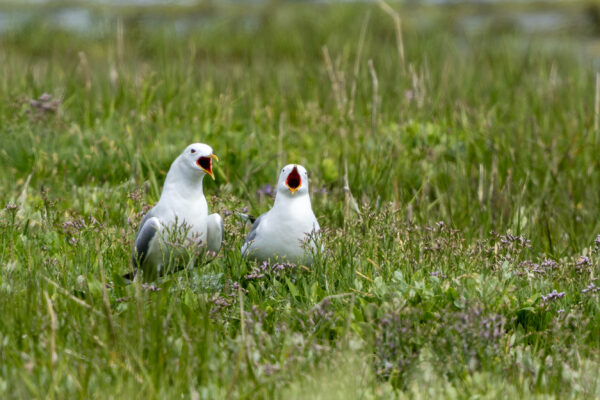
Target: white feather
x,y
182,204
282,233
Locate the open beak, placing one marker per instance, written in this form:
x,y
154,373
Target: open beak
x,y
206,164
293,181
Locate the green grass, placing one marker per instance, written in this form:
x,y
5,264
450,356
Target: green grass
x,y
476,175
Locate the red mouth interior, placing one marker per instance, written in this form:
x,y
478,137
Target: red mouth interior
x,y
205,163
293,180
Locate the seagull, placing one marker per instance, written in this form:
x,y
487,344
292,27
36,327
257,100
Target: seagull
x,y
280,233
182,205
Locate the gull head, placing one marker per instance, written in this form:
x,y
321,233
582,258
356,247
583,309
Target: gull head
x,y
197,159
293,180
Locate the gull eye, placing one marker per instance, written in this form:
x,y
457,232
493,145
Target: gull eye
x,y
193,151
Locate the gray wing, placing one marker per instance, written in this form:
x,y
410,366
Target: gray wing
x,y
148,228
252,234
215,232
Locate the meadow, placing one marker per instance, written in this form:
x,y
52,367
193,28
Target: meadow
x,y
455,174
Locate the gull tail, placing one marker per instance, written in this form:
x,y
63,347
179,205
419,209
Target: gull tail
x,y
246,217
128,277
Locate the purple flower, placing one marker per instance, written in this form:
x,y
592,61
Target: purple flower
x,y
135,195
151,288
536,268
591,288
266,269
540,268
256,274
509,239
554,295
122,299
266,190
45,103
235,286
220,303
549,264
74,226
396,347
583,261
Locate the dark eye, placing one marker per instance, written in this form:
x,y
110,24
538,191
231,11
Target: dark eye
x,y
193,151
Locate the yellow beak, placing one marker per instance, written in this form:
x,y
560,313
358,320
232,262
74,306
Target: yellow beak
x,y
293,190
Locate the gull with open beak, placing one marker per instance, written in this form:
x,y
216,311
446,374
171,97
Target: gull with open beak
x,y
181,204
280,234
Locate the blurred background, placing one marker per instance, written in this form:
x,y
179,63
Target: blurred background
x,y
95,16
